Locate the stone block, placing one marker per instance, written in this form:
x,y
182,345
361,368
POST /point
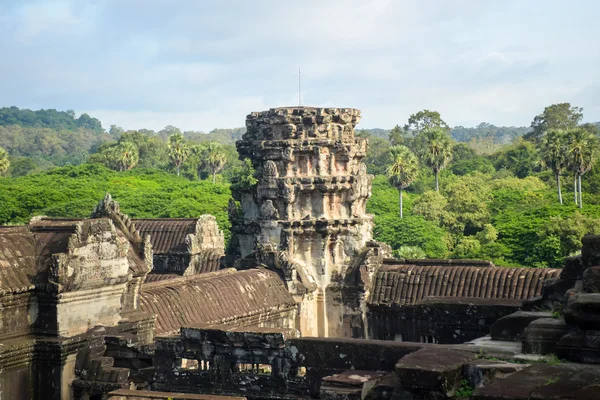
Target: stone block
x,y
482,372
590,251
511,327
349,385
542,335
583,310
542,381
433,369
580,346
573,269
591,280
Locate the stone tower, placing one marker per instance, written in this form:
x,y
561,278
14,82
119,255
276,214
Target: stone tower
x,y
306,215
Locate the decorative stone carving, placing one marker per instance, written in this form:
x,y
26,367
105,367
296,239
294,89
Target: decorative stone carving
x,y
268,211
270,170
313,187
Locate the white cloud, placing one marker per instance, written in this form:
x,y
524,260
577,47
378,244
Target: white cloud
x,y
54,17
201,65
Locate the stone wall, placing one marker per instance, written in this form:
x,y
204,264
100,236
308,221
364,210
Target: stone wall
x,y
444,320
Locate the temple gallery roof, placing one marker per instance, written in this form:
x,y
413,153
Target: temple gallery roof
x,y
166,235
396,284
213,298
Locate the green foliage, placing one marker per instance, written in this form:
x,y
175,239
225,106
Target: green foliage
x,y
423,120
473,165
465,389
557,116
521,158
378,153
58,120
496,134
411,252
243,176
4,161
178,150
434,147
142,193
407,231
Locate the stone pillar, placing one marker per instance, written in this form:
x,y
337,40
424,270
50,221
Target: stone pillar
x,y
309,203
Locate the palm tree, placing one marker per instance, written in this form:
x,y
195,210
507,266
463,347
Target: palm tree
x,y
127,155
554,155
581,150
178,150
404,169
435,150
197,153
4,161
215,158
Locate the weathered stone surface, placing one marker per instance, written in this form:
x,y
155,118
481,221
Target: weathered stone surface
x,y
590,252
309,205
229,297
580,346
591,280
542,335
349,384
511,327
540,381
446,320
433,369
184,246
125,394
583,310
482,372
445,279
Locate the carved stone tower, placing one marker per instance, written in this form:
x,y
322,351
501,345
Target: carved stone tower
x,y
306,215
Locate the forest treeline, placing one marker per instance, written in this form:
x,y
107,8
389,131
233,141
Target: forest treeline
x,y
484,192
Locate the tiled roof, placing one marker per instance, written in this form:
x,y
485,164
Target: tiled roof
x,y
17,259
213,298
398,284
166,235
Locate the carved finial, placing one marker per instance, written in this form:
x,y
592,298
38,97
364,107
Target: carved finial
x,y
106,207
109,208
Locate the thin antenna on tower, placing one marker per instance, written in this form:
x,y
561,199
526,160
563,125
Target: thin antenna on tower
x,y
299,88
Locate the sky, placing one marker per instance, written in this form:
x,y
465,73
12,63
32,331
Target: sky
x,y
203,64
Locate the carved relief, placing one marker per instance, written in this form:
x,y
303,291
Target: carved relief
x,y
268,211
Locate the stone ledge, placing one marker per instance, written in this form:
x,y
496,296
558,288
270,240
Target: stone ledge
x,y
433,369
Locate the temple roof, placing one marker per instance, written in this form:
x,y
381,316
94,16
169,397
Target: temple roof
x,y
213,298
396,284
167,235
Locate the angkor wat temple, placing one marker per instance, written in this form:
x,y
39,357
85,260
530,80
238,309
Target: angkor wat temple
x,y
303,303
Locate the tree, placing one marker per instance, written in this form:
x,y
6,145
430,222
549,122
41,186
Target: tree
x,y
554,155
557,116
127,155
397,135
581,153
425,119
4,162
435,150
215,158
243,176
520,158
178,150
404,169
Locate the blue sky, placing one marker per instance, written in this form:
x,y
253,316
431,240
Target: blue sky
x,y
204,64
